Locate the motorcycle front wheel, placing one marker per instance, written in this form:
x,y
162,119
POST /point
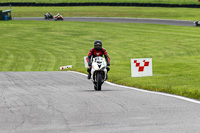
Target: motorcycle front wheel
x,y
98,84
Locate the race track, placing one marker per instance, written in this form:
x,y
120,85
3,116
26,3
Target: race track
x,y
65,102
122,20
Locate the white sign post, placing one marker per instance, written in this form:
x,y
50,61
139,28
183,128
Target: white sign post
x,y
141,67
85,61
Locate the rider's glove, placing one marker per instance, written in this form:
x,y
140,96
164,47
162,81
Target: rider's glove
x,y
89,63
108,64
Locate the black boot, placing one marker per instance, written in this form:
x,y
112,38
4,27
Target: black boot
x,y
106,76
89,76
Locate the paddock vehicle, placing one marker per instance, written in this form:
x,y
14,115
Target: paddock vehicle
x,y
98,72
197,23
58,17
48,16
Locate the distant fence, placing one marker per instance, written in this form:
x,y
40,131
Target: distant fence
x,y
102,4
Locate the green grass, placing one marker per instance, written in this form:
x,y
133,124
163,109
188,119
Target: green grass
x,y
108,1
98,11
47,45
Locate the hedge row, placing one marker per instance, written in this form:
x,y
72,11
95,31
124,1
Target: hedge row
x,y
102,4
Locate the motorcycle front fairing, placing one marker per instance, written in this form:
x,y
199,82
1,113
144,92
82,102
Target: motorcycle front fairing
x,y
99,65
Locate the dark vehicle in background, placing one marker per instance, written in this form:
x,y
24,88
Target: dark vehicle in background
x,y
197,23
48,16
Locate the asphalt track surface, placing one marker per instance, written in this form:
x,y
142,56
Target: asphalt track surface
x,y
122,20
65,102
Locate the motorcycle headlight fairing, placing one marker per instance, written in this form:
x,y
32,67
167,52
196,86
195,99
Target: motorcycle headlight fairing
x,y
103,67
96,67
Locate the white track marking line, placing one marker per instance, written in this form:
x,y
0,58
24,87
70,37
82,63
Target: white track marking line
x,y
146,91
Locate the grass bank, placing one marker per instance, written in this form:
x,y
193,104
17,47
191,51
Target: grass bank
x,y
99,11
47,45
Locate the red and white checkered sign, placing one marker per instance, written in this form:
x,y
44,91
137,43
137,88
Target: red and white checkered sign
x,y
141,67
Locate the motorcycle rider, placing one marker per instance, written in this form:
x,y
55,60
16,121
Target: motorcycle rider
x,y
94,52
48,14
58,15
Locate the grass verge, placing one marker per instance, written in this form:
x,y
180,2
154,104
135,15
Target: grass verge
x,y
47,45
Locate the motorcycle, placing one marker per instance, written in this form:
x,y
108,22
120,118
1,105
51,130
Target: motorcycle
x,y
48,16
197,23
58,17
98,72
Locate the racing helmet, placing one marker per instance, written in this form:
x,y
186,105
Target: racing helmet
x,y
98,45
